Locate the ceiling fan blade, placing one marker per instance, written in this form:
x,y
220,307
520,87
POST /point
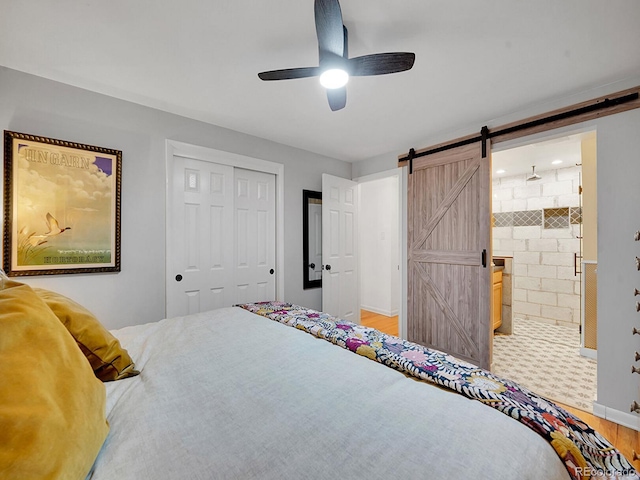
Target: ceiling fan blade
x,y
290,73
381,63
345,36
329,27
337,98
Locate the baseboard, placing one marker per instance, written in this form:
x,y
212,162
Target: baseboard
x,y
625,419
589,353
379,311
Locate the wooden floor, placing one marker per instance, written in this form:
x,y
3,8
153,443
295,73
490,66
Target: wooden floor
x,y
383,323
624,439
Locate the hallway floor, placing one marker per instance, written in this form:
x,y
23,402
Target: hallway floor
x,y
380,322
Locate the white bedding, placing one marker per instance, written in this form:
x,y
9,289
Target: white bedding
x,y
231,395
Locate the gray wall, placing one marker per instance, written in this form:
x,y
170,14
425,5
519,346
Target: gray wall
x,y
618,220
618,142
136,295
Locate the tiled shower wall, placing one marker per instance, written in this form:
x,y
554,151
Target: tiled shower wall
x,y
538,223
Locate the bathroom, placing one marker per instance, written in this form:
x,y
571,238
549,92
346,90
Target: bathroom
x,y
544,234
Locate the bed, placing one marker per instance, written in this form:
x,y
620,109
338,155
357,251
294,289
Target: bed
x,y
259,393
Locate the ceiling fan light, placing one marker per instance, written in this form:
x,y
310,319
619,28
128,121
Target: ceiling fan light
x,y
334,78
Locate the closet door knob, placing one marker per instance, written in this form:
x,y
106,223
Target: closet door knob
x,y
178,278
272,271
312,265
327,267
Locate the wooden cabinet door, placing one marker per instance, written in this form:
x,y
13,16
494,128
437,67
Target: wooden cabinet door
x,y
497,299
449,227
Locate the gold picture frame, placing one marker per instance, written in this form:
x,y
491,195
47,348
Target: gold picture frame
x,y
61,206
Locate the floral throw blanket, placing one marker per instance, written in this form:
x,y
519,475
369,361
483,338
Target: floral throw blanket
x,y
584,451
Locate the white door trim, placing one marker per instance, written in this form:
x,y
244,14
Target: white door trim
x,y
181,149
402,174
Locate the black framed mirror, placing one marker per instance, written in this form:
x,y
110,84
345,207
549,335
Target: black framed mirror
x,y
312,238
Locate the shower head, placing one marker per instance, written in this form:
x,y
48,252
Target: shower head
x,y
534,176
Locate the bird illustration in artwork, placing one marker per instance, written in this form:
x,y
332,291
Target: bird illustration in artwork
x,y
54,229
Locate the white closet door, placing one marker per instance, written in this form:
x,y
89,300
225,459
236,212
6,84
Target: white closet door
x,y
340,248
200,243
255,232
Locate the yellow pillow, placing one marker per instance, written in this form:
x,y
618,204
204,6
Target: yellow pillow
x,y
52,407
105,354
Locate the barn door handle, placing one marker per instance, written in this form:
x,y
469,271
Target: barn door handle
x,y
484,258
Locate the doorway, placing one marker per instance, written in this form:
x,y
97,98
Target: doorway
x,y
542,235
380,251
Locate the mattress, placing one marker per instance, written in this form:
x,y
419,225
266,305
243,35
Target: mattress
x,y
228,394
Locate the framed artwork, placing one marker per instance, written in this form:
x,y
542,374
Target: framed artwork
x,y
61,206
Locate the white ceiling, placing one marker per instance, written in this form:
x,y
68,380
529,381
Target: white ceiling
x,y
475,61
565,151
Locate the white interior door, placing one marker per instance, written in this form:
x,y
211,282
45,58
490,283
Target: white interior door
x,y
200,249
255,232
340,248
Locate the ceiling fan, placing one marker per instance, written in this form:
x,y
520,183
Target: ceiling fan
x,y
335,66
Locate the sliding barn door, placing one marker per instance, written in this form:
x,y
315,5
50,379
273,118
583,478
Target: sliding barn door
x,y
449,228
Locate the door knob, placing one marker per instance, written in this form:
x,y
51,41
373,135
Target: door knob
x,y
271,271
312,265
327,267
178,278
